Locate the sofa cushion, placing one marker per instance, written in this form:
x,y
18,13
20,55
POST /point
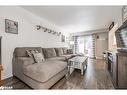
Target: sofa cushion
x,y
21,51
60,58
64,50
49,52
43,72
67,56
59,51
23,60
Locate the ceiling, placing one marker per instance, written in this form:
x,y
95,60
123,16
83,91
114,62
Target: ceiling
x,y
77,18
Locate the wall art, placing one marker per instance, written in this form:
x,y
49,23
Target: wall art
x,y
11,26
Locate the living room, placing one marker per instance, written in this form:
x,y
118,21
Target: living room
x,y
56,29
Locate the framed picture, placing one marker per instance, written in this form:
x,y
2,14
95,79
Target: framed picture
x,y
124,13
11,26
62,38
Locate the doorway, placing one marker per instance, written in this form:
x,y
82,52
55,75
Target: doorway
x,y
85,45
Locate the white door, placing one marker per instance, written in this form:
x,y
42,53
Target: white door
x,y
101,46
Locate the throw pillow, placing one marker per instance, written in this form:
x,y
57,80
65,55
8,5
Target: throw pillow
x,y
38,57
59,51
30,52
49,52
70,51
64,50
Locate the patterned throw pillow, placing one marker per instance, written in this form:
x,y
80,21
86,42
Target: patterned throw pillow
x,y
30,52
38,57
70,51
64,50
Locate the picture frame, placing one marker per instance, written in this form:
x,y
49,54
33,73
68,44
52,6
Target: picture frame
x,y
62,38
124,14
11,26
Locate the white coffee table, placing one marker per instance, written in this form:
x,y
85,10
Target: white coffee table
x,y
78,62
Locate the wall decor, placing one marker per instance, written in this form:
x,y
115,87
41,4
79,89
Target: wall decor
x,y
45,30
49,31
38,27
124,13
62,38
111,26
58,33
11,26
54,32
97,36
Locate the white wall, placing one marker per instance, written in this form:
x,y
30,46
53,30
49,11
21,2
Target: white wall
x,y
112,46
101,44
27,34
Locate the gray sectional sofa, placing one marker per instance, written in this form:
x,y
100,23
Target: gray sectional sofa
x,y
40,75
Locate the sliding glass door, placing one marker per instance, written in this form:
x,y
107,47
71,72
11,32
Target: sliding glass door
x,y
85,45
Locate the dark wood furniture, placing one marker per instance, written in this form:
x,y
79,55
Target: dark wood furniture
x,y
122,70
117,68
0,74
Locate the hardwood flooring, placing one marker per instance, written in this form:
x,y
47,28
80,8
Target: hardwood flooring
x,y
95,77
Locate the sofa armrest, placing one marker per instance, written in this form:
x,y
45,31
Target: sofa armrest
x,y
18,63
25,60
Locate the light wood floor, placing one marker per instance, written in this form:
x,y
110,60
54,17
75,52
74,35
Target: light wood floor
x,y
95,77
